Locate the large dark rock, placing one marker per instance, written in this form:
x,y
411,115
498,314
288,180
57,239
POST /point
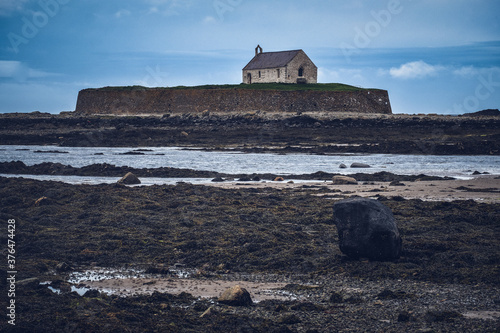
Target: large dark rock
x,y
343,180
218,180
360,165
367,229
129,179
236,296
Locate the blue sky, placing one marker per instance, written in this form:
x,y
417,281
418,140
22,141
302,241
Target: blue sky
x,y
433,56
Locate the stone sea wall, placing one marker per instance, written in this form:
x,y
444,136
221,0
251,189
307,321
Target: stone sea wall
x,y
136,101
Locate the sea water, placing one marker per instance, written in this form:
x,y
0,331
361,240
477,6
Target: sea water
x,y
235,162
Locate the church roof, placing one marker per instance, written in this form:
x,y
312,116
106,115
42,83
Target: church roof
x,y
271,59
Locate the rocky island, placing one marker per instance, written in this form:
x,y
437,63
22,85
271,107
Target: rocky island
x,y
269,97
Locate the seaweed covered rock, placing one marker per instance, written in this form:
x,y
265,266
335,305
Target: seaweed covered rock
x,y
360,165
218,180
129,179
344,180
366,229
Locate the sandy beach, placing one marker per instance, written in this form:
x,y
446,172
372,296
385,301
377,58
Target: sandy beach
x,y
482,189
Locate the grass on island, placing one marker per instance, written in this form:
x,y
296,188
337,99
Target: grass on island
x,y
255,86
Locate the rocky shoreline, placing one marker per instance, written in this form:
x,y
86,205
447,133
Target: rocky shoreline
x,y
108,170
446,279
319,132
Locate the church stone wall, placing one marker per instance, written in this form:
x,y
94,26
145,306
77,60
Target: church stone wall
x,y
266,75
309,70
286,74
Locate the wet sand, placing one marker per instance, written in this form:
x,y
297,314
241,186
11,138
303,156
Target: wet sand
x,y
197,288
481,189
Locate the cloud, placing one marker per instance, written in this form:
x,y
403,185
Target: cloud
x,y
467,71
209,20
122,12
472,71
18,71
414,70
167,7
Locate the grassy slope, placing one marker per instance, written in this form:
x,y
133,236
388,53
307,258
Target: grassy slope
x,y
256,86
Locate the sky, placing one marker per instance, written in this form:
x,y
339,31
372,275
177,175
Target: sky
x,y
432,56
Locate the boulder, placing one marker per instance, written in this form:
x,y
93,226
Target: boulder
x,y
92,293
343,180
129,179
236,296
218,180
366,229
342,166
279,179
360,165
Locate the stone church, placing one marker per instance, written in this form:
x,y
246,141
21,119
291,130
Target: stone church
x,y
280,67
